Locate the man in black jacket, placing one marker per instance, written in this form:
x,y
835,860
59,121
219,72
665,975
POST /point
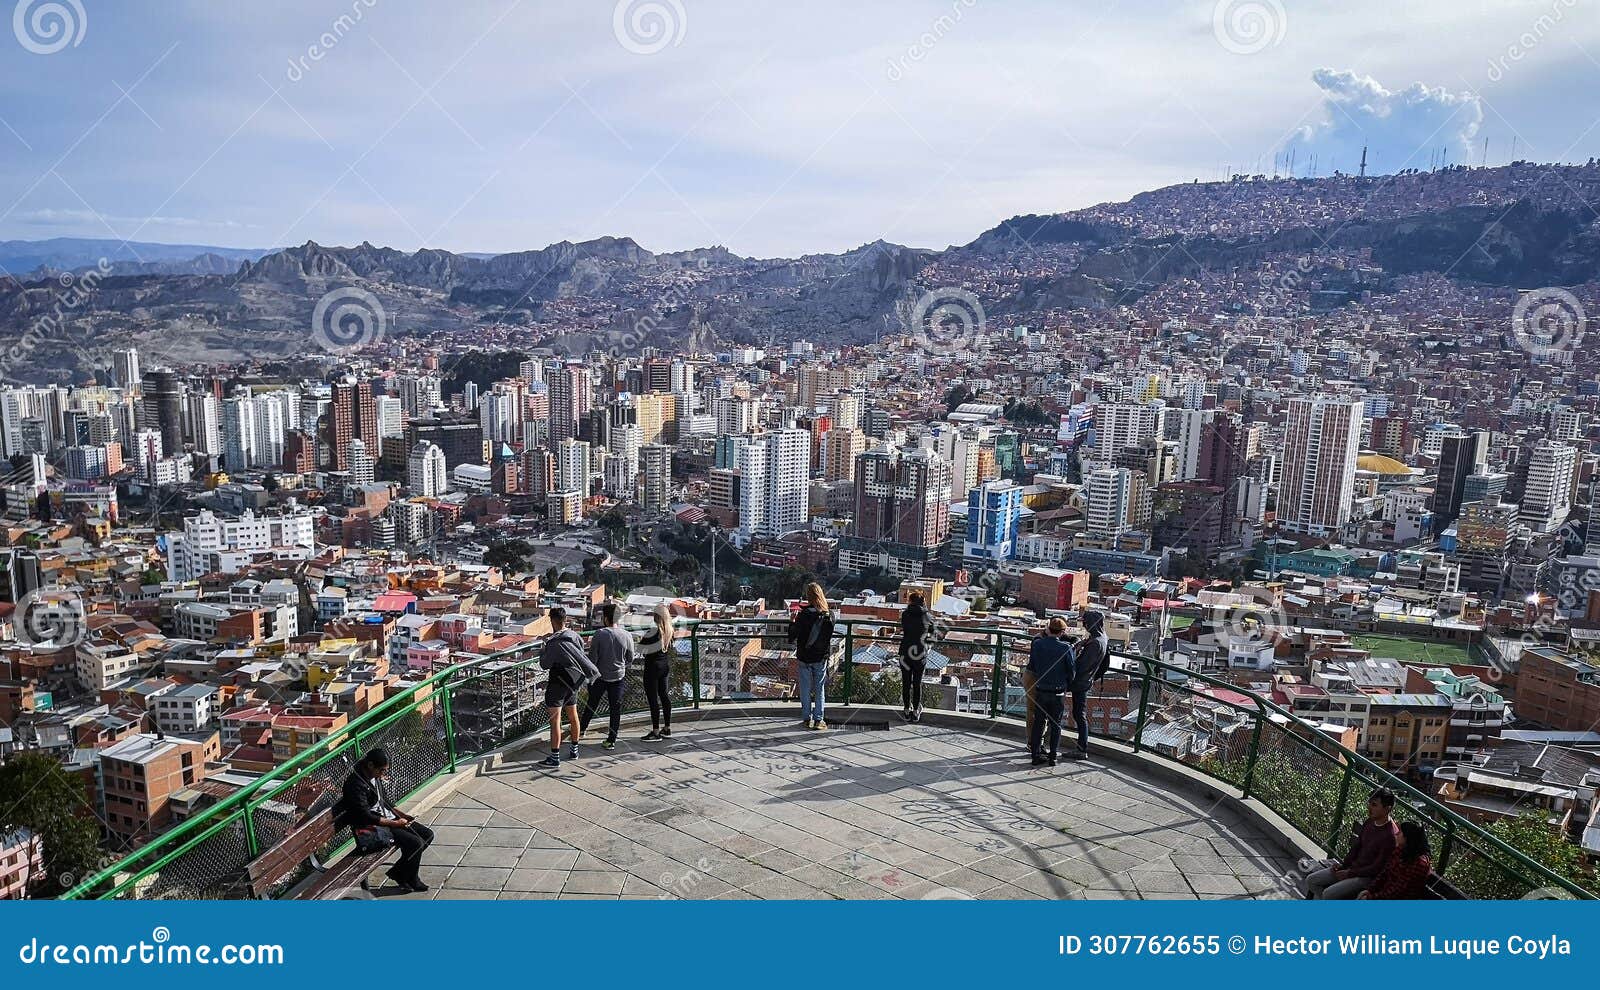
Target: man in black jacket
x,y
376,823
1092,659
1050,661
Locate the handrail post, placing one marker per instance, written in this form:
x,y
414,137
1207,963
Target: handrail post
x,y
1144,705
450,725
251,843
1446,846
694,664
998,686
1338,811
1255,752
849,661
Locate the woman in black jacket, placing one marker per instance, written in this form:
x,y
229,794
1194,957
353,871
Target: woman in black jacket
x,y
811,632
914,634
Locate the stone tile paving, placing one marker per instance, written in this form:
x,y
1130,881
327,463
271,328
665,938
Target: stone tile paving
x,y
742,808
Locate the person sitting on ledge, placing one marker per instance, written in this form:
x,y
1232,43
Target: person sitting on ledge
x,y
1369,854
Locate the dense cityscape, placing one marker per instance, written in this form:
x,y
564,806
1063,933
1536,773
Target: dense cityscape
x,y
1365,494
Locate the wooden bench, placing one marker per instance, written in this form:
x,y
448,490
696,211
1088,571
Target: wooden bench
x,y
301,846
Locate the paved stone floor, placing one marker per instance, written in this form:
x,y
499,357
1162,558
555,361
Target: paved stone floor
x,y
761,808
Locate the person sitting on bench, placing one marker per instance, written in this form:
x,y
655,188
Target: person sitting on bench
x,y
377,824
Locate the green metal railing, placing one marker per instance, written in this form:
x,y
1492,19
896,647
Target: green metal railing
x,y
1252,746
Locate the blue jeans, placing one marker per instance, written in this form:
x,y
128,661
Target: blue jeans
x,y
813,688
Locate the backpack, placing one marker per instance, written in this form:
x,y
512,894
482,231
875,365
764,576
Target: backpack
x,y
820,632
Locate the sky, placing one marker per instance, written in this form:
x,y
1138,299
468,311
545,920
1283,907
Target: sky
x,y
774,129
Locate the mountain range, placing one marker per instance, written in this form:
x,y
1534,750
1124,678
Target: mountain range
x,y
1514,226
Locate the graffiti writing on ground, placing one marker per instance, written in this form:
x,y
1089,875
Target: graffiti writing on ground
x,y
955,815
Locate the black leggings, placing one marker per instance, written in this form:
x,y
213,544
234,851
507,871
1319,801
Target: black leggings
x,y
1080,705
1046,720
911,683
612,692
656,673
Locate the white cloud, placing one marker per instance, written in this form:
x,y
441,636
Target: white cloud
x,y
1399,128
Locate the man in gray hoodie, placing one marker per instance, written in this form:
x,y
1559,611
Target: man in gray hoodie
x,y
563,656
611,649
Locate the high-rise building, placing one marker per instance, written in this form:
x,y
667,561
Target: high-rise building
x,y
351,413
163,405
1320,445
426,473
1112,501
205,422
125,368
775,469
994,515
655,469
572,466
841,448
1461,455
571,397
1547,494
239,433
1125,424
902,511
361,463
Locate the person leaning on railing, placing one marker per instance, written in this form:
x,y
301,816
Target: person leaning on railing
x,y
1090,662
1375,842
811,632
567,661
1050,660
656,648
914,633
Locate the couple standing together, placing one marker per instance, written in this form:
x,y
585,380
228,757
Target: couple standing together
x,y
603,667
1057,667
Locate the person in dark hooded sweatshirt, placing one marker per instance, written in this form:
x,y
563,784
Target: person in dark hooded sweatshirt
x,y
914,634
1090,663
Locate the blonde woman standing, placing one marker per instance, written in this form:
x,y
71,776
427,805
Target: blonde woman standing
x,y
811,632
655,646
